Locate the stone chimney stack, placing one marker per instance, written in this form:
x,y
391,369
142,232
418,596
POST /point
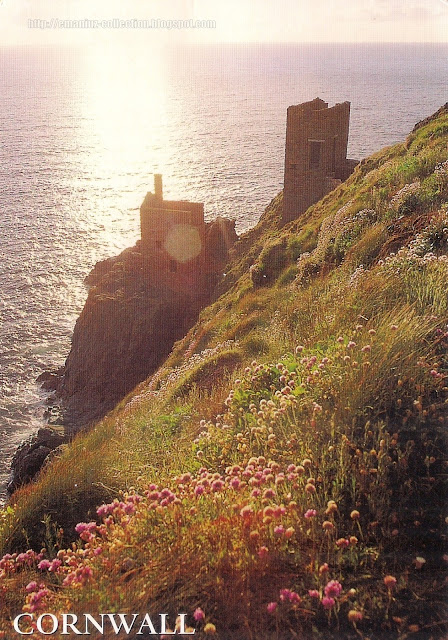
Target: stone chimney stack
x,y
158,189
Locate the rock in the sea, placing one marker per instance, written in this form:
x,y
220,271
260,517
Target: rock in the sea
x,y
31,455
50,380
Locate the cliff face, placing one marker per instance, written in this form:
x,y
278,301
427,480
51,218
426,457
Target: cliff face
x,y
128,326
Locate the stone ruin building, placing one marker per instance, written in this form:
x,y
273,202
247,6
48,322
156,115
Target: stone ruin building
x,y
185,252
315,154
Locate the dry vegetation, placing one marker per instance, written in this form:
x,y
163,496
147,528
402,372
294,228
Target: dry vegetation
x,y
283,475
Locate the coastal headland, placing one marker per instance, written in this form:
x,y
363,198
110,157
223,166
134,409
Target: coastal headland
x,y
282,471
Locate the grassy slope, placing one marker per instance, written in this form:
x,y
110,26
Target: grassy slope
x,y
315,384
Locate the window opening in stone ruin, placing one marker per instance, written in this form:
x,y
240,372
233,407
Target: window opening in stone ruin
x,y
315,153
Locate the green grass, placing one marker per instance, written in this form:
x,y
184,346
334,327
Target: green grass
x,y
320,388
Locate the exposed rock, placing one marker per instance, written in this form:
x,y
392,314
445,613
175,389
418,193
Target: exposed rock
x,y
31,455
50,380
125,330
103,267
128,326
220,237
422,123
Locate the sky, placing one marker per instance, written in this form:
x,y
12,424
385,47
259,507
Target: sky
x,y
233,21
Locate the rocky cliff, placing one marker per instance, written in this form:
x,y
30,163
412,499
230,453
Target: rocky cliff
x,y
128,326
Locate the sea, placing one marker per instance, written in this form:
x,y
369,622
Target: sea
x,y
82,130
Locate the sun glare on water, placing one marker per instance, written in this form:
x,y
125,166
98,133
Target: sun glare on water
x,y
125,119
127,99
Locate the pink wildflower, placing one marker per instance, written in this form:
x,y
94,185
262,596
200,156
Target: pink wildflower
x,y
81,527
327,602
235,483
284,594
55,564
333,589
217,485
294,598
279,530
246,512
198,615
